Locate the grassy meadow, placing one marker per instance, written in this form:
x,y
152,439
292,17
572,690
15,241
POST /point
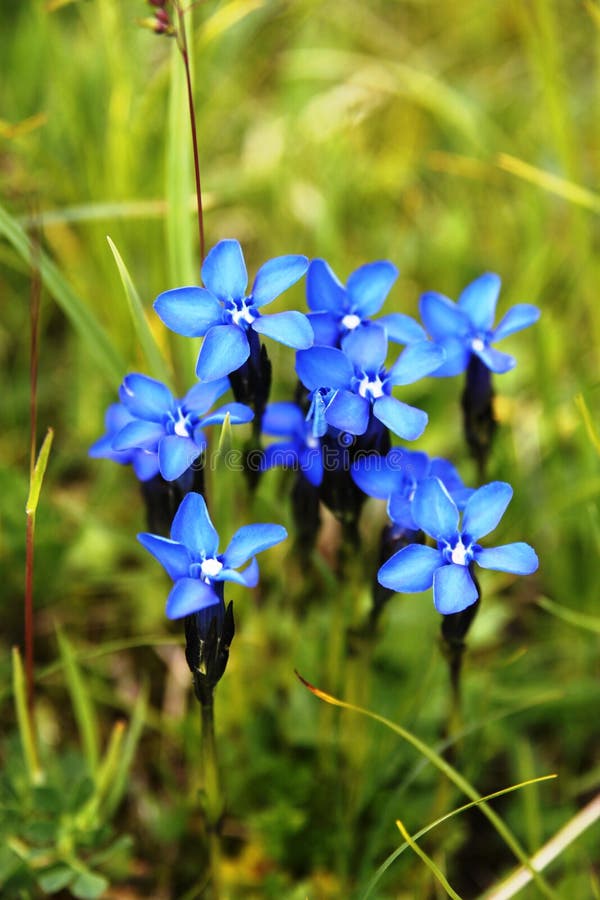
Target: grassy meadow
x,y
451,139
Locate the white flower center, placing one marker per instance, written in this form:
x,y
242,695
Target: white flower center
x,y
210,567
242,314
351,321
181,427
371,388
312,442
477,345
459,554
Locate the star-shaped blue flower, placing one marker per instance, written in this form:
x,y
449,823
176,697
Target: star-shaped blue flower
x,y
191,556
223,313
172,428
417,568
301,451
397,476
337,310
466,327
350,384
144,462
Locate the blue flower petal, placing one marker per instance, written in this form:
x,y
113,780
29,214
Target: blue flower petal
x,y
192,526
276,276
283,418
283,454
410,569
400,511
202,396
402,329
190,311
189,595
375,477
324,292
175,455
458,354
520,316
138,434
145,464
485,508
146,398
170,554
434,510
495,360
416,361
250,540
453,589
368,287
478,300
224,271
224,350
406,421
324,367
311,465
238,413
448,475
518,558
366,348
441,317
348,412
325,328
290,328
248,578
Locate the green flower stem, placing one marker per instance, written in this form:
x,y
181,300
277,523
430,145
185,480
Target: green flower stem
x,y
213,801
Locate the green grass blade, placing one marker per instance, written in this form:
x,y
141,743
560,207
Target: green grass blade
x,y
83,707
154,358
580,620
587,421
39,470
450,772
455,812
433,868
24,723
553,184
81,317
119,779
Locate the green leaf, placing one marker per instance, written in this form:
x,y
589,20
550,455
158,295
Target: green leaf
x,y
89,885
39,470
82,704
83,320
433,868
55,879
127,753
154,358
25,725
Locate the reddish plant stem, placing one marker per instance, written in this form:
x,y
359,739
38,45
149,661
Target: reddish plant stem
x,y
183,49
34,319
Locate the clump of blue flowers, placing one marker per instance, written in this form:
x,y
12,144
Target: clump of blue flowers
x,y
447,567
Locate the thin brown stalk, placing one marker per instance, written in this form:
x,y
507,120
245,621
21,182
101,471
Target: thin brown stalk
x,y
183,49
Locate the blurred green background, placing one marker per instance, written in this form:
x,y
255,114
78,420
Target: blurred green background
x,y
449,138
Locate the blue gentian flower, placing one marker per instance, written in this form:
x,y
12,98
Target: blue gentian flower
x,y
191,556
349,385
417,568
336,309
223,313
397,476
301,450
169,427
466,327
144,462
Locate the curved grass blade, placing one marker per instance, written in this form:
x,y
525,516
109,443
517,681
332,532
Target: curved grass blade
x,y
587,421
580,620
83,320
154,358
32,764
83,707
455,812
449,771
433,868
547,181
